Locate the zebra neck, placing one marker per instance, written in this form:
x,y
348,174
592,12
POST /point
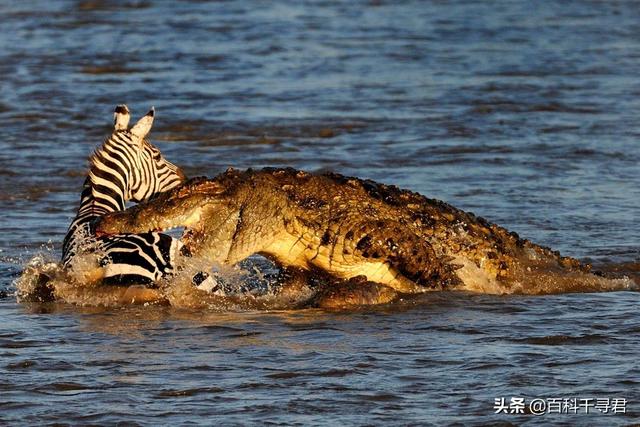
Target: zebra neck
x,y
97,200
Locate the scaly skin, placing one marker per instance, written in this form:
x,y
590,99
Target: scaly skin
x,y
347,227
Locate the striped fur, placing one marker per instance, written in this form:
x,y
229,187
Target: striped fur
x,y
125,168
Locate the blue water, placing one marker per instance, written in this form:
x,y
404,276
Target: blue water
x,y
524,113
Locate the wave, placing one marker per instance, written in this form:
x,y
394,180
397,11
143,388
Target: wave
x,y
253,286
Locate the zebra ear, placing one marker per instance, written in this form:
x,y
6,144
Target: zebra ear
x,y
142,128
121,117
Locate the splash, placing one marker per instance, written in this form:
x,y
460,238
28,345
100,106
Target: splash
x,y
43,280
254,286
237,288
32,285
243,287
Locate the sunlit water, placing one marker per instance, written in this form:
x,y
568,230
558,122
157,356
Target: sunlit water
x,y
525,115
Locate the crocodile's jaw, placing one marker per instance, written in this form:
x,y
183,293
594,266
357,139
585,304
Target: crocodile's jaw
x,y
146,220
184,206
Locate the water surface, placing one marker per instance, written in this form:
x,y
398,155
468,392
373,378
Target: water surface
x,y
526,115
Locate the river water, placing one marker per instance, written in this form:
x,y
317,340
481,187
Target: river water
x,y
525,113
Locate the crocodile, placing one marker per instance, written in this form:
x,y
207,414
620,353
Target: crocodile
x,y
395,241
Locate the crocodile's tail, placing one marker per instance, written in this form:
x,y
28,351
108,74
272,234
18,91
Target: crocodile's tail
x,y
542,275
554,275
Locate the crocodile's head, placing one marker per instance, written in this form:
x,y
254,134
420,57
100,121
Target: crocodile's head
x,y
184,206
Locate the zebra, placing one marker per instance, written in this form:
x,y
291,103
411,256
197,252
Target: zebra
x,y
126,168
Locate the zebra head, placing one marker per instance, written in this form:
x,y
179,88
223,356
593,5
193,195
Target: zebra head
x,y
128,166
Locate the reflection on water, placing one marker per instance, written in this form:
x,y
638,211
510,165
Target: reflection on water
x,y
526,116
258,366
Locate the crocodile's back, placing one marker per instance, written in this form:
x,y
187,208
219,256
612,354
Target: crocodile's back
x,y
349,227
478,251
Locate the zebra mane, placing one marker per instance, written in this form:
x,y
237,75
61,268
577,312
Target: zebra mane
x,y
98,156
95,157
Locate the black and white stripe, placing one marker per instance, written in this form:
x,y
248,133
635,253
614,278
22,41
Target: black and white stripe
x,y
125,168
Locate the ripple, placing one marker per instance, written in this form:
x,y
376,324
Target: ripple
x,y
380,397
109,69
328,374
528,116
561,340
24,364
65,388
188,392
